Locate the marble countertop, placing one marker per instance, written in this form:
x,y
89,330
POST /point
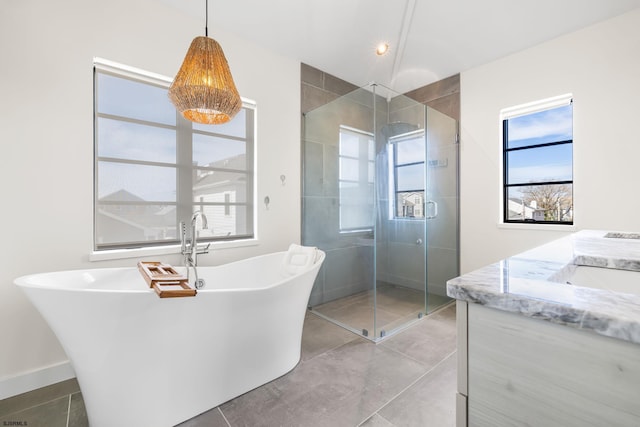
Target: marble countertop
x,y
534,284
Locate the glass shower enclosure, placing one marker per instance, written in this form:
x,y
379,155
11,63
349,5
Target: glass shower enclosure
x,y
380,197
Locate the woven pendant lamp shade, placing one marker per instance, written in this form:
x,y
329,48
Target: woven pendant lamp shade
x,y
203,90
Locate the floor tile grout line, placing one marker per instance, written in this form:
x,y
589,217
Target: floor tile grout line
x,y
223,416
410,323
332,321
326,351
413,383
37,404
409,386
385,345
68,411
355,337
323,353
376,413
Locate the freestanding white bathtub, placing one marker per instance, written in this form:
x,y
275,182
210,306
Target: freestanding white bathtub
x,y
141,360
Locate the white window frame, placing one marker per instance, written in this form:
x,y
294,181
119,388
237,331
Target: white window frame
x,y
364,163
114,251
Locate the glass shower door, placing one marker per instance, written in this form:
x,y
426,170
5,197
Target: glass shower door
x,y
441,206
401,226
372,171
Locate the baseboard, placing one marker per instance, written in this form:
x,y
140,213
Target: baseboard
x,y
28,381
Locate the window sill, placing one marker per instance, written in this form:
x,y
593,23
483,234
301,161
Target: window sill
x,y
363,231
163,250
537,227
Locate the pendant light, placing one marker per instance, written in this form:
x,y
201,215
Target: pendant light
x,y
203,91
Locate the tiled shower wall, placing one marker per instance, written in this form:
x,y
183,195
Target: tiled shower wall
x,y
348,268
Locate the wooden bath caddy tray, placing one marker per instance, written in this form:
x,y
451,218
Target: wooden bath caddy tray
x,y
165,280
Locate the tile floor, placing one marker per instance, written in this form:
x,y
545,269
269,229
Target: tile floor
x,y
58,405
406,380
396,307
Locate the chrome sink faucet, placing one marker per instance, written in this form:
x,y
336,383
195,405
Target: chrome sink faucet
x,y
190,250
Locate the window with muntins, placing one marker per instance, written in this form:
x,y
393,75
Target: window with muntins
x,y
355,179
408,161
538,162
154,169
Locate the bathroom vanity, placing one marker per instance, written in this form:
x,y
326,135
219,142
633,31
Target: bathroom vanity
x,y
551,336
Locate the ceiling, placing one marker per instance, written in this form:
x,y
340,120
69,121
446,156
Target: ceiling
x,y
429,39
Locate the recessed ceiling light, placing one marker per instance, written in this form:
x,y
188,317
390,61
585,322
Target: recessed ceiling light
x,y
382,49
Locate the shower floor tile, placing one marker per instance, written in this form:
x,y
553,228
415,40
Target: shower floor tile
x,y
396,306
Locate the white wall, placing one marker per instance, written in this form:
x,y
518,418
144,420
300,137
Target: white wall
x,y
46,166
600,65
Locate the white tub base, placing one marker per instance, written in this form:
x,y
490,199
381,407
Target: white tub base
x,y
142,360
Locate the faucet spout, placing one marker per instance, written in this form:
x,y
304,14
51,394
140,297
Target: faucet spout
x,y
191,253
203,217
193,247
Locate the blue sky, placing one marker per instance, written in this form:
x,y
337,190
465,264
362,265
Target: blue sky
x,y
553,163
119,139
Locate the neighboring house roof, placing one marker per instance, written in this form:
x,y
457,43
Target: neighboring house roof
x,y
143,217
148,217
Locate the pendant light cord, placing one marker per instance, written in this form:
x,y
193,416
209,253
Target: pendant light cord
x,y
206,19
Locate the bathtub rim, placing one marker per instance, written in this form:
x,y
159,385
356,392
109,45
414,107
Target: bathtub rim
x,y
24,280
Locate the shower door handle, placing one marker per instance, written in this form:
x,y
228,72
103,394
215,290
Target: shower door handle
x,y
434,210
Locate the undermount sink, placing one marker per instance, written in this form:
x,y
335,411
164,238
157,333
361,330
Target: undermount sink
x,y
610,279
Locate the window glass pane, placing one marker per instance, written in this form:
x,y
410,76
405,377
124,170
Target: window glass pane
x,y
410,151
131,182
410,178
349,169
236,127
410,204
213,164
143,101
539,128
220,224
553,202
214,186
124,140
542,164
356,173
529,164
349,144
219,152
356,206
117,224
